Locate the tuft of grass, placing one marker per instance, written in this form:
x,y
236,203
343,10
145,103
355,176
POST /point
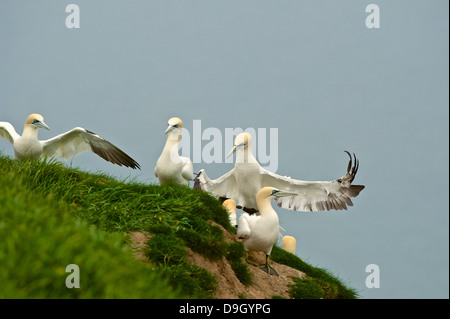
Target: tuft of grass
x,y
235,254
320,283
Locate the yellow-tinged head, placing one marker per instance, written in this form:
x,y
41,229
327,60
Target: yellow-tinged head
x,y
174,124
289,244
268,193
229,205
242,141
36,121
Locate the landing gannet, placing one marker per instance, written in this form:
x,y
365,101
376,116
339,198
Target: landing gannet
x,y
171,167
65,145
260,232
230,207
247,177
289,243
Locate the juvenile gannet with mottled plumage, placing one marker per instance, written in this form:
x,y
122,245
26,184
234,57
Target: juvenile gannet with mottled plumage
x,y
64,145
247,177
230,207
171,167
260,232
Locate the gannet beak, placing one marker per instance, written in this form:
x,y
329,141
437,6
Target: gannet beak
x,y
284,194
232,151
42,125
169,129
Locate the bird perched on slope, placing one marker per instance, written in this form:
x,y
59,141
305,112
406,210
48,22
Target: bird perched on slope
x,y
260,232
230,207
289,244
65,145
247,177
171,167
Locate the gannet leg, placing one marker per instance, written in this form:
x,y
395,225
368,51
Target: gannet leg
x,y
266,267
248,261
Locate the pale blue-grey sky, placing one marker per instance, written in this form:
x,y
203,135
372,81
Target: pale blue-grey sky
x,y
311,69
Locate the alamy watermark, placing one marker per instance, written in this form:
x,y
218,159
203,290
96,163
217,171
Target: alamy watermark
x,y
373,279
73,279
211,145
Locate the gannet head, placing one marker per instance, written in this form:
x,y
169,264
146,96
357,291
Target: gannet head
x,y
272,193
36,121
229,205
288,243
242,141
174,124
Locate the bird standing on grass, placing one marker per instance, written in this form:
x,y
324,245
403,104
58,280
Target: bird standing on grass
x,y
65,145
171,167
243,182
260,232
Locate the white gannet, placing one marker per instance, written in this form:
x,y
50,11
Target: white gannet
x,y
247,177
289,243
260,232
171,167
64,145
230,207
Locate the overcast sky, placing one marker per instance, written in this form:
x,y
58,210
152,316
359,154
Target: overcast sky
x,y
310,69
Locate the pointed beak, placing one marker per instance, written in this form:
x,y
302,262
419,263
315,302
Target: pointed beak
x,y
285,194
232,151
169,129
42,125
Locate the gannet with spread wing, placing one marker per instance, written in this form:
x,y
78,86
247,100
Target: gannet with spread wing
x,y
171,167
260,232
243,182
65,145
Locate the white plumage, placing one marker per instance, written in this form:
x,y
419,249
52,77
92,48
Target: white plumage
x,y
247,177
260,232
170,166
65,145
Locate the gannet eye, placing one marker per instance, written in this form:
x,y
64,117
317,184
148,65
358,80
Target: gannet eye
x,y
275,191
35,121
176,126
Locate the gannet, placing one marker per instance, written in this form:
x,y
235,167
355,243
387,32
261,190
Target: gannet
x,y
247,177
171,167
289,243
65,145
230,207
260,232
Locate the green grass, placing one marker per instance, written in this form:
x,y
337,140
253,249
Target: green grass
x,y
52,216
319,283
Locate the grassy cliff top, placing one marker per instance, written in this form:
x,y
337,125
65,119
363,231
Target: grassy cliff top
x,y
52,216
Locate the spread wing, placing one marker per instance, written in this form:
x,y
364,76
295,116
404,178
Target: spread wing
x,y
79,140
315,196
8,132
224,186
